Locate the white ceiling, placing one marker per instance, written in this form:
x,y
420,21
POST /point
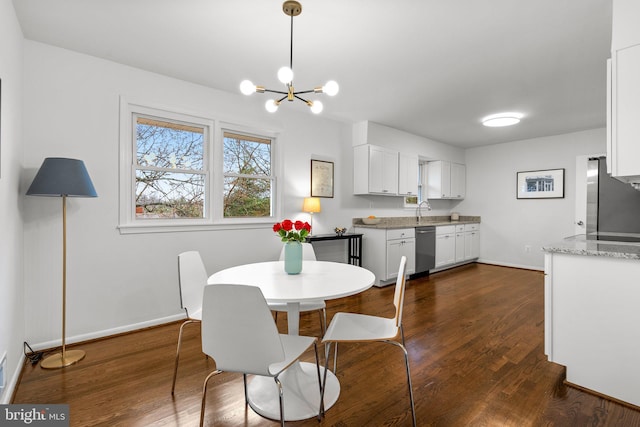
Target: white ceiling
x,y
430,67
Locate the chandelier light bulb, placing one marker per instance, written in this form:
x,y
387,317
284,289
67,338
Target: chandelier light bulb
x,y
316,107
247,88
331,88
291,8
285,75
271,106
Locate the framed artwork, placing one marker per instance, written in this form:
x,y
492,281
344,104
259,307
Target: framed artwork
x,y
321,178
541,184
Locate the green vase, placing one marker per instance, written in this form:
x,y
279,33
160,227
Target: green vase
x,y
293,257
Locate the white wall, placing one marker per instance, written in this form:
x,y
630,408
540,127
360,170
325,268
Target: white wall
x,y
510,224
117,282
11,253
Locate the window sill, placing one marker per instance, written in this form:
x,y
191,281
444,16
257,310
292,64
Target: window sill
x,y
180,228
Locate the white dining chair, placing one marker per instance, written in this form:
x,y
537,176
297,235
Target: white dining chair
x,y
355,327
240,335
192,278
318,305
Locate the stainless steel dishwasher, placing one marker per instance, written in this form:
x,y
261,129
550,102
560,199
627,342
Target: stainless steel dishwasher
x,y
425,249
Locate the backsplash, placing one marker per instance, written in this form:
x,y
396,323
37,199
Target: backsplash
x,y
399,221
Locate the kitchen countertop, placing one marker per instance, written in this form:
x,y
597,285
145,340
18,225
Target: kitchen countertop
x,y
589,245
387,223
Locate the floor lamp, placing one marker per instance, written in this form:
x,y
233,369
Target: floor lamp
x,y
60,177
311,205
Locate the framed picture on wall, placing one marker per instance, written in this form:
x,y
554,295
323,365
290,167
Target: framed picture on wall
x,y
541,184
321,178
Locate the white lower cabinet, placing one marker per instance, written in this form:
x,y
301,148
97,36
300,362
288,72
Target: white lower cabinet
x,y
471,241
383,249
445,245
396,249
456,244
460,235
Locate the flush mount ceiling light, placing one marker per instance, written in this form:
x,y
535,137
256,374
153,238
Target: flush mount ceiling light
x,y
502,119
285,75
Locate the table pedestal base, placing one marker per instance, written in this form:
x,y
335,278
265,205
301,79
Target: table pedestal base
x,y
301,394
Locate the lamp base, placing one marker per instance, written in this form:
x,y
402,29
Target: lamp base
x,y
56,361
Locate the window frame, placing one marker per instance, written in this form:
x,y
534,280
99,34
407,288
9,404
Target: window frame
x,y
422,186
204,172
213,155
218,178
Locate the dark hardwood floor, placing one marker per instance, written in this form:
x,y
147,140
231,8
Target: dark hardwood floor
x,y
475,337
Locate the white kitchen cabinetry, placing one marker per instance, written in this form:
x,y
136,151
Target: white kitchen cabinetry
x,y
400,243
445,180
623,150
471,241
384,248
460,236
445,245
458,180
456,244
407,174
375,170
591,322
623,90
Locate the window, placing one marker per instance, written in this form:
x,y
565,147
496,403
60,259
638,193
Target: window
x,y
413,201
170,171
186,172
248,177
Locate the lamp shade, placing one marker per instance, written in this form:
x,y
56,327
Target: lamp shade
x,y
62,177
311,205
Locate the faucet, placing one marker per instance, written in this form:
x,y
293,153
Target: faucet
x,y
419,210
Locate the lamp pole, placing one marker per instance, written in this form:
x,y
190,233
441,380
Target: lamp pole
x,y
62,177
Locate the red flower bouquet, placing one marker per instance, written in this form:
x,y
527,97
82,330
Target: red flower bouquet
x,y
290,231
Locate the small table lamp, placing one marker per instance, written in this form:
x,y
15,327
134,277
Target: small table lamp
x,y
59,177
311,205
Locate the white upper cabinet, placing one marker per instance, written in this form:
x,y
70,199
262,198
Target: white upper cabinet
x,y
446,180
383,171
625,31
407,174
623,150
458,180
375,170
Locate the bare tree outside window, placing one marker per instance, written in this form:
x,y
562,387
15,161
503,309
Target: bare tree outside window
x,y
170,172
248,176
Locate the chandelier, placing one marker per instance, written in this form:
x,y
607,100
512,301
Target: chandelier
x,y
285,75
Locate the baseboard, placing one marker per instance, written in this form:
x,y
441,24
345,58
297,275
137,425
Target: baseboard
x,y
7,394
508,264
106,332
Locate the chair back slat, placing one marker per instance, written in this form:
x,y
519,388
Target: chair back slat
x,y
238,331
192,278
398,296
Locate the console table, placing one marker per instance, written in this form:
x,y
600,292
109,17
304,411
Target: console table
x,y
354,251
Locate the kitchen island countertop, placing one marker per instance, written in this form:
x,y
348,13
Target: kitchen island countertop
x,y
590,245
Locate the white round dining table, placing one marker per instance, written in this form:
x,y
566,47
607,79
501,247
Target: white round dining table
x,y
319,280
